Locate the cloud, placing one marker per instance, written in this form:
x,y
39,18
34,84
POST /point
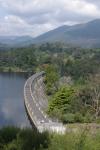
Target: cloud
x,y
14,25
33,17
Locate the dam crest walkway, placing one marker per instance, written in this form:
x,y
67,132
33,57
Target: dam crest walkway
x,y
36,103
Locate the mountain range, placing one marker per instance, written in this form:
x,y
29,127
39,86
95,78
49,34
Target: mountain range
x,y
85,35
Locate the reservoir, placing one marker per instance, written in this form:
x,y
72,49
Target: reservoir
x,y
12,110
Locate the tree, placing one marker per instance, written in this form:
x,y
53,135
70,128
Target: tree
x,y
96,101
51,79
12,138
90,97
62,100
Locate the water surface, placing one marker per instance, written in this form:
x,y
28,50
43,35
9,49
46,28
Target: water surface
x,y
12,110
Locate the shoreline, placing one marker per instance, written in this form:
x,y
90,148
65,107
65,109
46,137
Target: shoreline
x,y
14,70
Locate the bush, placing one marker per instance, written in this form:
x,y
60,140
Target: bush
x,y
62,99
68,118
12,138
88,118
7,134
78,117
72,118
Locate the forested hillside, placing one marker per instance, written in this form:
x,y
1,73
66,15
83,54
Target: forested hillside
x,y
76,62
72,78
73,88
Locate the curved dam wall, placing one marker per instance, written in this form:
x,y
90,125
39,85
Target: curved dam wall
x,y
36,103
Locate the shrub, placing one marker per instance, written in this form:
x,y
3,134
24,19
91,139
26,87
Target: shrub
x,y
78,117
68,118
88,118
7,134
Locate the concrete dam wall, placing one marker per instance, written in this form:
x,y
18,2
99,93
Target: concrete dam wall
x,y
36,103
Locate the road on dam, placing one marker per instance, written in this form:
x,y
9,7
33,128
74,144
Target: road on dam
x,y
36,103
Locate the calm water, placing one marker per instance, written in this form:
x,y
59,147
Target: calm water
x,y
12,111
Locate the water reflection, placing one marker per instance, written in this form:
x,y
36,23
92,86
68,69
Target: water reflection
x,y
12,111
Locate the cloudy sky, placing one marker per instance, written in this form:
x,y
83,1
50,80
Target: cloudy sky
x,y
33,17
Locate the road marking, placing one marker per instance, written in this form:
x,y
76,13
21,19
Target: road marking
x,y
45,116
37,105
42,112
50,121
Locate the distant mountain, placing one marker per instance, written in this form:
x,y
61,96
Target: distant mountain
x,y
85,35
16,41
4,47
53,35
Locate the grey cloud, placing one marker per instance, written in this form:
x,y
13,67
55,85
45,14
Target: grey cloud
x,y
95,2
29,16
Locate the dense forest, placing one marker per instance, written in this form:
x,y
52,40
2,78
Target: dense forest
x,y
72,78
75,62
73,88
12,138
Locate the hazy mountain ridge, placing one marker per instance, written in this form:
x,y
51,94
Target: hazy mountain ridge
x,y
84,35
15,41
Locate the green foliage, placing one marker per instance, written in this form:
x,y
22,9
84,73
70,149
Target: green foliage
x,y
76,104
83,140
12,138
62,99
28,139
68,118
8,134
51,79
75,62
59,60
78,117
72,118
60,104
